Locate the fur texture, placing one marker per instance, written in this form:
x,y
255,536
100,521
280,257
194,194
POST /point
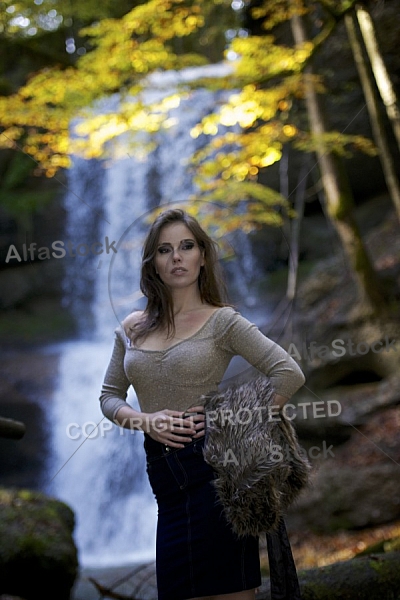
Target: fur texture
x,y
255,452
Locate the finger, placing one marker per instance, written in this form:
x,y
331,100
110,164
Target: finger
x,y
197,421
174,413
199,434
194,417
180,438
173,440
186,424
200,418
199,408
172,444
200,430
161,426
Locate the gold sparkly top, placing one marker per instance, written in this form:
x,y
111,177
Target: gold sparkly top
x,y
176,378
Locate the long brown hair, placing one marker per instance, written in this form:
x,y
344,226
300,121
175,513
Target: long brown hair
x,y
159,310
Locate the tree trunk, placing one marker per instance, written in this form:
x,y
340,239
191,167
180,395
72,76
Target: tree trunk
x,y
381,75
295,230
338,195
377,124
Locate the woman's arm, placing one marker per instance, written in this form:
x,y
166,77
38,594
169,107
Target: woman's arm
x,y
115,385
240,337
165,426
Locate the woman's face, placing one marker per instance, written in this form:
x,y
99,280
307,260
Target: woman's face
x,y
178,256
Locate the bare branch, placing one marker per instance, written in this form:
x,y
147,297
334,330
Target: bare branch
x,y
108,592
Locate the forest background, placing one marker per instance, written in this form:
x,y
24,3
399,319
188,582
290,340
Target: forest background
x,y
304,157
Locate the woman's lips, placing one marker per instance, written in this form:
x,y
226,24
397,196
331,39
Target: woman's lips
x,y
178,271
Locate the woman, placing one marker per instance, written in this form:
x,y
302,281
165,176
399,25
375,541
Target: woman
x,y
173,352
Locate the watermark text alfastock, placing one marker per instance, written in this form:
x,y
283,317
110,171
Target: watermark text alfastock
x,y
59,249
339,348
275,453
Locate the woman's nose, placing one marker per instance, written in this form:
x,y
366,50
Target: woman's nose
x,y
176,254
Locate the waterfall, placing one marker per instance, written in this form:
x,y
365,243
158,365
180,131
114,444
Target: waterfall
x,y
101,475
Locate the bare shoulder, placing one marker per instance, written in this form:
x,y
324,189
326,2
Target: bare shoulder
x,y
130,321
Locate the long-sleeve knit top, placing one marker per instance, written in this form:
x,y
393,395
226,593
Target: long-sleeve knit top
x,y
175,378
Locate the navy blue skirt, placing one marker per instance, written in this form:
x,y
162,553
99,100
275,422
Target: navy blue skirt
x,y
197,553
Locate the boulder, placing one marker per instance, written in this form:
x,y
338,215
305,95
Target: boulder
x,y
376,577
38,556
342,497
355,484
333,414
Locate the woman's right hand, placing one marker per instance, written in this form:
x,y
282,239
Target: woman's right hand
x,y
169,427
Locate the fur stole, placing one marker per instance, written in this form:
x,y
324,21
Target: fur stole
x,y
260,466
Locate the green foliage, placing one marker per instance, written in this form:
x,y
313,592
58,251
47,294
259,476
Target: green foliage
x,y
339,143
20,168
124,50
19,204
274,12
267,81
49,15
15,197
261,57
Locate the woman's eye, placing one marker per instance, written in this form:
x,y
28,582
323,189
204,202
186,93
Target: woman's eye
x,y
165,249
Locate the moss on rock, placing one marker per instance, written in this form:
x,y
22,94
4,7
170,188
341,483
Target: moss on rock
x,y
389,545
38,557
374,577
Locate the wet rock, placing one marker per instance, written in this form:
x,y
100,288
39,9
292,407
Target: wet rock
x,y
333,414
38,557
376,577
342,497
357,483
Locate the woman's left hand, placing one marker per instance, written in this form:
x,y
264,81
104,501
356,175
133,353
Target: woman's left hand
x,y
198,420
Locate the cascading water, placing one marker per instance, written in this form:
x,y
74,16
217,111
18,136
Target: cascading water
x,y
102,475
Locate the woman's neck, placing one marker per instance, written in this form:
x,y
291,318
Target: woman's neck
x,y
184,301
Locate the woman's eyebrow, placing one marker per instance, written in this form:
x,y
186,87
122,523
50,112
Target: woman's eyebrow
x,y
169,243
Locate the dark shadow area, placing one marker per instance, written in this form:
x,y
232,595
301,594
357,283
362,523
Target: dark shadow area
x,y
358,376
23,462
